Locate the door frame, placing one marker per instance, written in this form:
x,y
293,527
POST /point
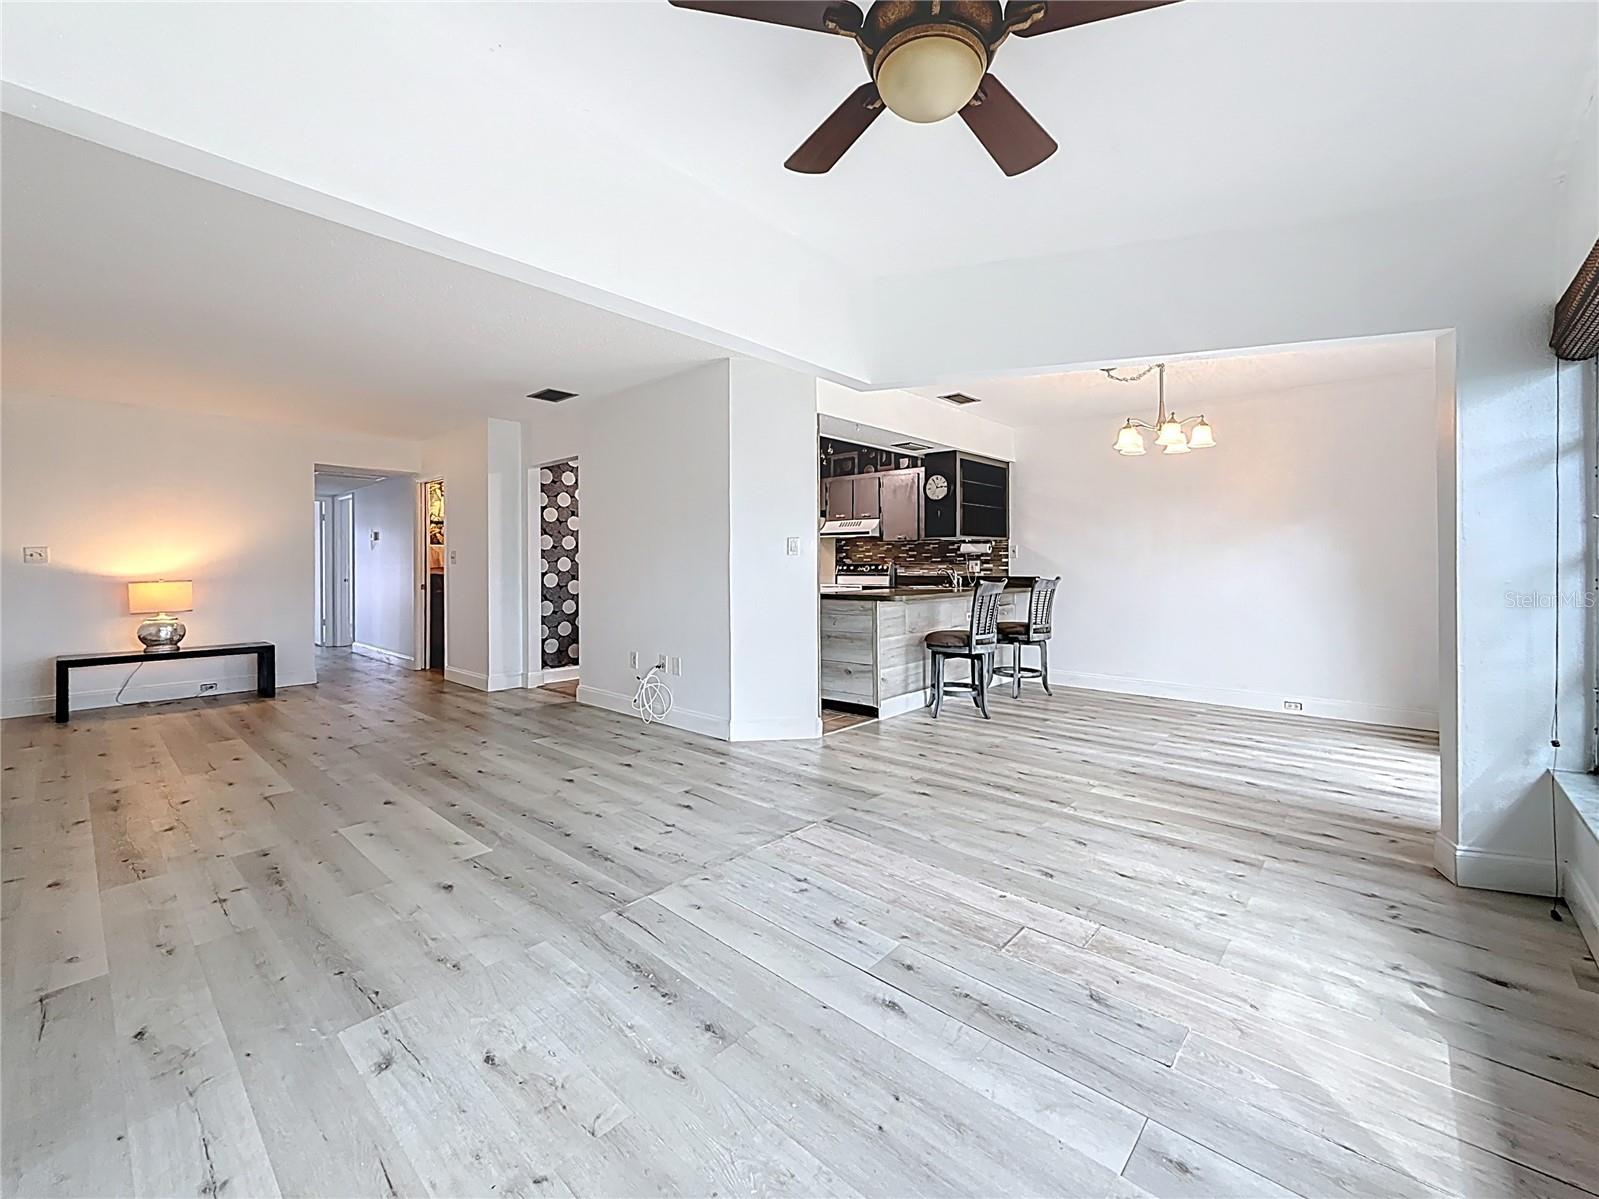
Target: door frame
x,y
341,558
419,574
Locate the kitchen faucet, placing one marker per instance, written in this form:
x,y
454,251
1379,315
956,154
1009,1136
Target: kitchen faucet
x,y
954,577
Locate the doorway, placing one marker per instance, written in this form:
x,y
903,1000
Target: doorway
x,y
335,570
430,500
555,533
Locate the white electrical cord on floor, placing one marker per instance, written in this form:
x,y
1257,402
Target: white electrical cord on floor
x,y
653,699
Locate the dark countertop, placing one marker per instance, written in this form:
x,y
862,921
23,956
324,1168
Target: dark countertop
x,y
888,594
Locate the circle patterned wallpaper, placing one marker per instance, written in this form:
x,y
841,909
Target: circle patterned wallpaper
x,y
558,533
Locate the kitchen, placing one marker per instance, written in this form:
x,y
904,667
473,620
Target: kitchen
x,y
908,529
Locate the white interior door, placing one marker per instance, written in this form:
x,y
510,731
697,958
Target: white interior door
x,y
343,563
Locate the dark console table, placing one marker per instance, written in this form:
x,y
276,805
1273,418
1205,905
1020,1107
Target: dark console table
x,y
266,666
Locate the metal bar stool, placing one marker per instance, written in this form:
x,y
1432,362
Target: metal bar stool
x,y
1035,630
976,643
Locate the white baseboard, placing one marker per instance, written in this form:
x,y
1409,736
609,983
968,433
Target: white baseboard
x,y
799,729
1584,905
554,674
467,678
1255,701
381,654
900,704
505,682
1490,870
686,719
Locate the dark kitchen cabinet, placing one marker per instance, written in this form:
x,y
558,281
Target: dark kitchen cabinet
x,y
901,502
972,496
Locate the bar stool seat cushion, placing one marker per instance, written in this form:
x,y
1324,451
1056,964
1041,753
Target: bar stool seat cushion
x,y
1013,630
948,639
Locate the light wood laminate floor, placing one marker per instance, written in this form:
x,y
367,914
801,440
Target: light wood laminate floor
x,y
389,936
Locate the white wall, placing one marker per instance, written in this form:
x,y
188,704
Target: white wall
x,y
691,488
484,551
774,599
121,493
655,544
1297,560
1485,269
506,562
385,569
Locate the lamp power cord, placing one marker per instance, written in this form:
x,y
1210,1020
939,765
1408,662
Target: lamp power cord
x,y
653,699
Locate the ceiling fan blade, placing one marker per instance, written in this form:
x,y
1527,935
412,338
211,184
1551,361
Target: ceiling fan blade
x,y
838,133
825,16
1068,14
1007,130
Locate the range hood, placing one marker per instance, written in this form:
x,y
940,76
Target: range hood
x,y
851,528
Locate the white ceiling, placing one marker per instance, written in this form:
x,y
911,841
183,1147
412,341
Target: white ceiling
x,y
1191,383
333,482
631,153
1198,117
128,281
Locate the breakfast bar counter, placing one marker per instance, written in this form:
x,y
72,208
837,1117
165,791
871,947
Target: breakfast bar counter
x,y
872,650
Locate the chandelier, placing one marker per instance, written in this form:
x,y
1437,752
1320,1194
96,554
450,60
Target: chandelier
x,y
1172,433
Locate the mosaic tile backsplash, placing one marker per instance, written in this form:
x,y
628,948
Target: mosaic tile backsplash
x,y
917,557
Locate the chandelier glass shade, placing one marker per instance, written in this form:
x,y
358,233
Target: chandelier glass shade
x,y
1172,432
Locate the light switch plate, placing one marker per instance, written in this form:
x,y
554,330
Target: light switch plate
x,y
35,555
793,547
452,557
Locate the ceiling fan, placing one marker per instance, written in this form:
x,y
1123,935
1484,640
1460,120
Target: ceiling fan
x,y
928,60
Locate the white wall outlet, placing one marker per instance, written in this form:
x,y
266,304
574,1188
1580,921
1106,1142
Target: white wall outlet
x,y
793,547
1293,705
674,665
660,661
632,659
208,687
35,555
453,558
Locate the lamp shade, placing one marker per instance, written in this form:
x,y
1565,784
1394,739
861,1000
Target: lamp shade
x,y
1171,432
1203,437
1129,441
1177,447
162,595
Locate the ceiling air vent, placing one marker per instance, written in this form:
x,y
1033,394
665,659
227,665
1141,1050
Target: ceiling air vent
x,y
960,397
1576,333
913,447
553,394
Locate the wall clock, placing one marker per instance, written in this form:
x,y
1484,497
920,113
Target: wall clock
x,y
937,487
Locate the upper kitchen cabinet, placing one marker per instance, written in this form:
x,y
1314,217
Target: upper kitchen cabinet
x,y
966,496
855,497
901,502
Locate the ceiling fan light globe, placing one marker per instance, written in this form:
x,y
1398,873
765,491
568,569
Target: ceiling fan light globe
x,y
1203,436
1171,433
930,77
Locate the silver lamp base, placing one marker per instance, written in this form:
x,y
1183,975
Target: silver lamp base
x,y
161,634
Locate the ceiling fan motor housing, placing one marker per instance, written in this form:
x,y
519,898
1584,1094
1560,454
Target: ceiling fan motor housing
x,y
927,58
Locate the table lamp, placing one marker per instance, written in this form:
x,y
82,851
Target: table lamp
x,y
161,631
